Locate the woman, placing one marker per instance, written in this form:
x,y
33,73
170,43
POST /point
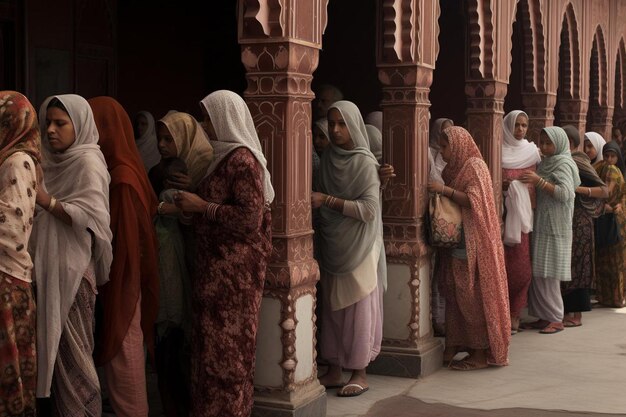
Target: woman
x,y
375,140
593,145
350,245
129,301
436,164
146,139
588,205
556,180
71,244
610,252
518,156
179,135
474,275
19,159
233,230
435,161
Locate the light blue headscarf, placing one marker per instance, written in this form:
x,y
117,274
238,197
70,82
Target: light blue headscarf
x,y
560,166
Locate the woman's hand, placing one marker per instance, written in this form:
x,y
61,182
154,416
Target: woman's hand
x,y
385,173
435,187
618,208
608,208
530,177
317,199
180,181
189,202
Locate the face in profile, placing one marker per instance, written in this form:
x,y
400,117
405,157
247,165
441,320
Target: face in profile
x,y
320,141
444,148
165,142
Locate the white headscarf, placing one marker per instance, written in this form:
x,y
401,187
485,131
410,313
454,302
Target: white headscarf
x,y
598,143
79,180
517,154
147,143
375,118
375,139
234,128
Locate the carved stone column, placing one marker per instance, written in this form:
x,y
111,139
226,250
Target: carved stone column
x,y
485,112
540,110
406,54
280,43
573,112
601,121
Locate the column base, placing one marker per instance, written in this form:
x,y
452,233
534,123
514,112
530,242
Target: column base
x,y
409,362
267,406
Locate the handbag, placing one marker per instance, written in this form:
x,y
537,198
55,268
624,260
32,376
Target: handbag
x,y
607,230
446,224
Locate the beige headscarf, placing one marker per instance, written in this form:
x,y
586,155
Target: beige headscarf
x,y
192,144
79,179
234,128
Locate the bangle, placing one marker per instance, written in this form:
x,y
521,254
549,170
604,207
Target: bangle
x,y
211,211
327,200
443,187
160,207
52,205
453,191
588,191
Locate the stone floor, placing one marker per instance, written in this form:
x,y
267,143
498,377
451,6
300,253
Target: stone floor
x,y
578,372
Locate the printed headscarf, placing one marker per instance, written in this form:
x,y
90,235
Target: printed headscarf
x,y
517,154
234,128
19,128
435,132
462,148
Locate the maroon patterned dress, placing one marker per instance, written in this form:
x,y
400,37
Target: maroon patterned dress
x,y
232,255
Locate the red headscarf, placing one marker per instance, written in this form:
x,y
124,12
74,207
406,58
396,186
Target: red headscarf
x,y
19,127
467,172
135,249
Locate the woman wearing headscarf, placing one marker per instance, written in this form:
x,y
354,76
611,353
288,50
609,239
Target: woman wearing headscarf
x,y
146,139
589,204
518,156
593,145
321,141
436,164
71,244
350,247
129,301
19,158
375,140
474,275
610,254
556,180
179,135
233,229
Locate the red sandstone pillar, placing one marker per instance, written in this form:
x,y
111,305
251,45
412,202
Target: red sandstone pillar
x,y
540,110
280,43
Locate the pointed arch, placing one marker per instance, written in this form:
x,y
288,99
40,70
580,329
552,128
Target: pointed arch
x,y
569,56
598,74
534,45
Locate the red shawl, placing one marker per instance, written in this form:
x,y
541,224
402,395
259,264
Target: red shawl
x,y
135,248
466,171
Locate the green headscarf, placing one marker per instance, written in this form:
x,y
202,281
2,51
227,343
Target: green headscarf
x,y
559,166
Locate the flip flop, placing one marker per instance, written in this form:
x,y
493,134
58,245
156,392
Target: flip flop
x,y
571,323
467,365
361,390
551,329
535,325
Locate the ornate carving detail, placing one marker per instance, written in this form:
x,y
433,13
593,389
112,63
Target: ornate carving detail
x,y
481,52
620,73
263,18
398,33
540,110
569,84
534,45
288,323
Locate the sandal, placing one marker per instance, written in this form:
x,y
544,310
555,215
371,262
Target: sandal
x,y
535,325
361,390
570,322
467,365
552,328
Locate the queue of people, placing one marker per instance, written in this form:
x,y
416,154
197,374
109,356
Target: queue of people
x,y
139,242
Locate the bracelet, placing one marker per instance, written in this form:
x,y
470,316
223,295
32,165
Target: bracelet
x,y
52,205
443,187
588,191
160,207
453,191
211,211
326,200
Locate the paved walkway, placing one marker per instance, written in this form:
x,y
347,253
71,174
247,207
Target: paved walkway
x,y
578,372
